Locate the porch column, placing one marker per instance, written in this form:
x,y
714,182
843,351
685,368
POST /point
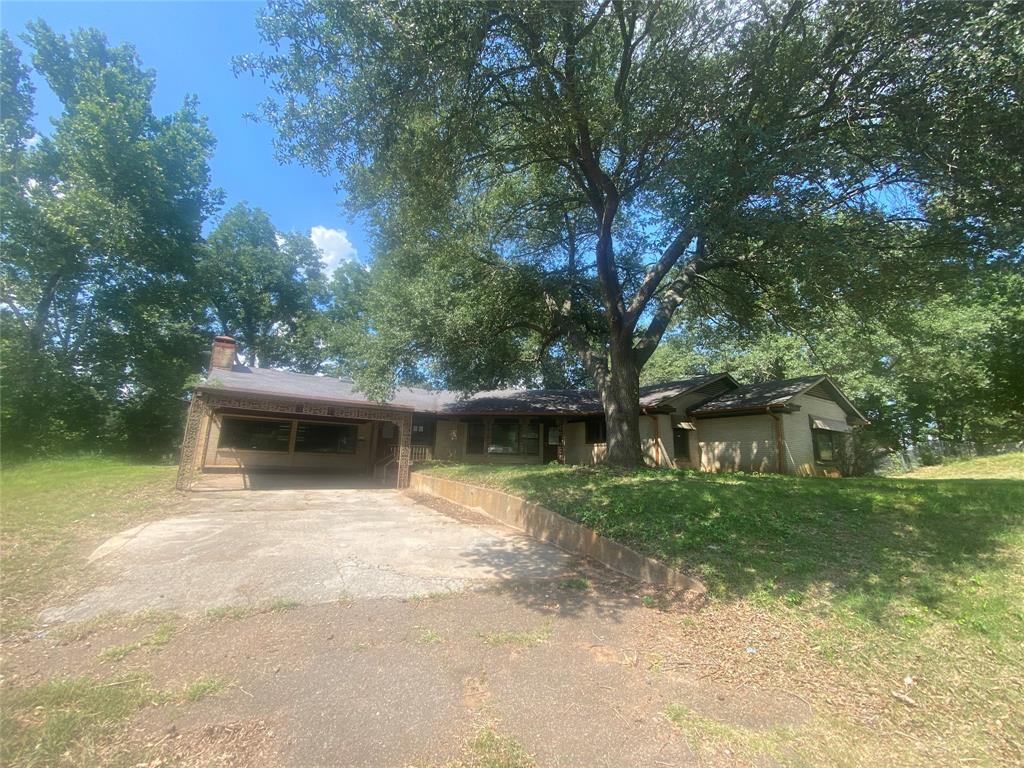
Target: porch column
x,y
193,444
404,449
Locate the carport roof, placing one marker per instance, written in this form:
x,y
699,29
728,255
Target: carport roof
x,y
268,382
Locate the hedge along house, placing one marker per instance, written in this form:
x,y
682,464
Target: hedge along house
x,y
245,419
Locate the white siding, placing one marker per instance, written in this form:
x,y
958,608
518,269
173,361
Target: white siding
x,y
656,440
797,431
737,444
577,451
680,405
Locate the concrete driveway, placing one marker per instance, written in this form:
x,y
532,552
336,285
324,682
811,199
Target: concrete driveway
x,y
310,546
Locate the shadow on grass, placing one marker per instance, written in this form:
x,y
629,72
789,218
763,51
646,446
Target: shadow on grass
x,y
886,549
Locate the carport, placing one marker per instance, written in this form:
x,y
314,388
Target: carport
x,y
210,410
247,420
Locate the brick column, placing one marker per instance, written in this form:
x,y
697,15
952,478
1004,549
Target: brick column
x,y
404,450
193,446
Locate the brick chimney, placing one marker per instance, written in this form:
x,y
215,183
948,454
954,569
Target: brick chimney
x,y
223,354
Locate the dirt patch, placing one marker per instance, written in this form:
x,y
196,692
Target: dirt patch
x,y
221,745
355,684
474,691
452,510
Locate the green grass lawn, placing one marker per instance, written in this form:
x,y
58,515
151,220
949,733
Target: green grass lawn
x,y
917,577
1009,466
52,509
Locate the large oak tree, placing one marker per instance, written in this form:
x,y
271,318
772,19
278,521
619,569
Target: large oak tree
x,y
566,175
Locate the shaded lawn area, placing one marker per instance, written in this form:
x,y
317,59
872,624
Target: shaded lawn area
x,y
1009,466
893,552
894,605
54,509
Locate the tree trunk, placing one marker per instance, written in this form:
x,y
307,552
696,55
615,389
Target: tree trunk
x,y
620,396
41,316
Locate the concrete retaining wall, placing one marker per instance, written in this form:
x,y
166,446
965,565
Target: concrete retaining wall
x,y
550,527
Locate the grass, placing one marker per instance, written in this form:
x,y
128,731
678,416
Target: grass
x,y
489,748
154,641
709,735
245,610
82,630
429,637
522,639
1006,467
576,582
53,509
207,685
70,721
82,720
875,580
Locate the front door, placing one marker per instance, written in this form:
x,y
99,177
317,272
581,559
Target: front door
x,y
552,435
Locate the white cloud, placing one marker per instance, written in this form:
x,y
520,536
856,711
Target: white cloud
x,y
334,244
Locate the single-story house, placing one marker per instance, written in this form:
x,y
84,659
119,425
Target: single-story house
x,y
244,418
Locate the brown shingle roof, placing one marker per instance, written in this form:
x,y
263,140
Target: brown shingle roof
x,y
751,398
537,402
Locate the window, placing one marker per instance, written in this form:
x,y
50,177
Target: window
x,y
681,443
504,437
313,437
529,440
826,444
423,433
255,434
475,437
596,431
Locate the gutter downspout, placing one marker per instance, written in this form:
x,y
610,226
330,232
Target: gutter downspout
x,y
780,457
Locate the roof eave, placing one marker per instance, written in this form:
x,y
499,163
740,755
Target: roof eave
x,y
213,388
746,410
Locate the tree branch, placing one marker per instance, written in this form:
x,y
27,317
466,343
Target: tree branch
x,y
670,301
655,274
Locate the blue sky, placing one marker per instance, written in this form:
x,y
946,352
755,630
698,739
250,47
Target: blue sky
x,y
190,45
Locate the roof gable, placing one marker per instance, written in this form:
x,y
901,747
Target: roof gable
x,y
766,395
655,394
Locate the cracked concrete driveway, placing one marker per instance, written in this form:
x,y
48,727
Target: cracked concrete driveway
x,y
452,628
311,546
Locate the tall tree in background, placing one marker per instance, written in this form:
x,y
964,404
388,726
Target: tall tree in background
x,y
262,286
570,174
947,366
100,232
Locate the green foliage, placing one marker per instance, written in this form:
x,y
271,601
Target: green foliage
x,y
550,183
945,365
847,589
51,506
263,286
101,225
205,686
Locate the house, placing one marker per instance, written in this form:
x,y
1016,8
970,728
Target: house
x,y
244,418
